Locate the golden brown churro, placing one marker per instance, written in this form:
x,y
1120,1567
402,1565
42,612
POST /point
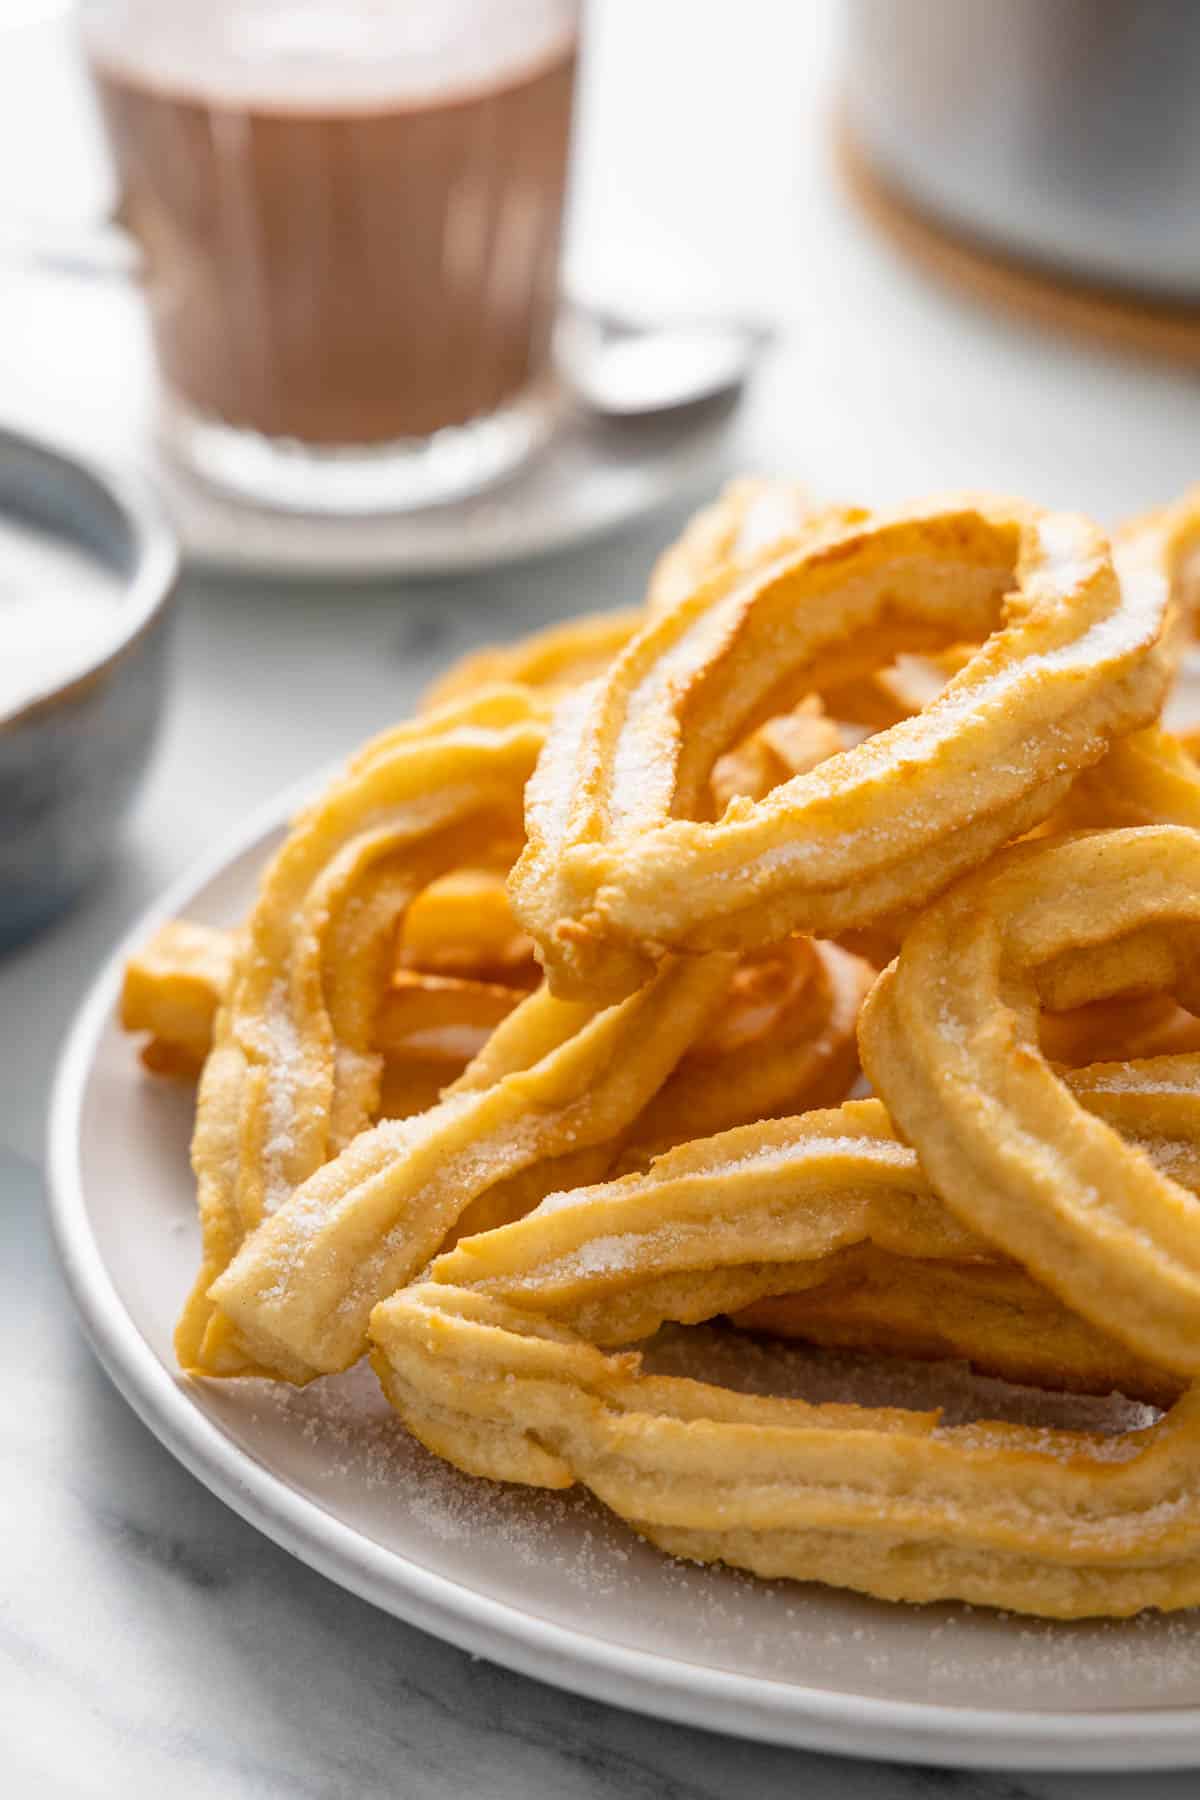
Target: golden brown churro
x,y
1061,1523
172,989
560,657
817,1208
293,1075
949,1038
618,864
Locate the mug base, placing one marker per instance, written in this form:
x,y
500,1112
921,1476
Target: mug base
x,y
287,475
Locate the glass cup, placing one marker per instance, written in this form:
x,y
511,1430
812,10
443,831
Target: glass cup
x,y
347,215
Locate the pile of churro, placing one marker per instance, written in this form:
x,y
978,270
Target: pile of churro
x,y
816,948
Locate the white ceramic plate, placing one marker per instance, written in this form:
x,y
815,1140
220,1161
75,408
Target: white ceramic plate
x,y
549,1584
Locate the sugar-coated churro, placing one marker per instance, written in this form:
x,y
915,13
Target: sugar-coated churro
x,y
620,864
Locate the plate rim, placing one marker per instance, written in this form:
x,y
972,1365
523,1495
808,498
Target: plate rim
x,y
658,1685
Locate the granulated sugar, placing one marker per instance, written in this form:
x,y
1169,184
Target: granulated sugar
x,y
362,1444
286,1073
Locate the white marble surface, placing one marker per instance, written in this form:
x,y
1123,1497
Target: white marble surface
x,y
149,1641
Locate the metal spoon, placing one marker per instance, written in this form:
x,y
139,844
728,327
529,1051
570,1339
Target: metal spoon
x,y
623,369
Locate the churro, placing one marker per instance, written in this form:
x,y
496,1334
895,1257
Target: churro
x,y
619,867
949,1039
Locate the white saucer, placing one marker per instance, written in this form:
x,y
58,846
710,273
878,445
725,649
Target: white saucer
x,y
549,1584
74,366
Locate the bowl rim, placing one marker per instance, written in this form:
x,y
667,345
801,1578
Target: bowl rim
x,y
145,592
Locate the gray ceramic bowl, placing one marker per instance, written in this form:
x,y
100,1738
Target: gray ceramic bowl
x,y
73,754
